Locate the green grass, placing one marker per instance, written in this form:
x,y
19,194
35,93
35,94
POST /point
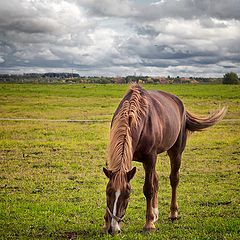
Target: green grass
x,y
51,180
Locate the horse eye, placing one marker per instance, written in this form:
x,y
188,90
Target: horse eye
x,y
110,194
127,194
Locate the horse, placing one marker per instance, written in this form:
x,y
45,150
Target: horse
x,y
145,124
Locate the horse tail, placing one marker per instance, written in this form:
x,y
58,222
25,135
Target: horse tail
x,y
195,123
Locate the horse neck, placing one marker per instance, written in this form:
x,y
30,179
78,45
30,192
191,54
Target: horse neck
x,y
120,149
125,123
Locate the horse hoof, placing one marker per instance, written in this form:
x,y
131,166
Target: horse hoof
x,y
173,215
174,218
149,228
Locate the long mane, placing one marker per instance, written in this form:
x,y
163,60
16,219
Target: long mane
x,y
129,117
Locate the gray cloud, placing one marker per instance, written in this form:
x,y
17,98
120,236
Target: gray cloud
x,y
114,8
119,37
190,9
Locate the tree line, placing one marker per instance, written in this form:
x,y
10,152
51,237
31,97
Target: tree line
x,y
228,78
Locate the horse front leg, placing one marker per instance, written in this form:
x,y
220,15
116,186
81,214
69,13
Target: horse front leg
x,y
150,192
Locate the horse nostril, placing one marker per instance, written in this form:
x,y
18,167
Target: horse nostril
x,y
110,231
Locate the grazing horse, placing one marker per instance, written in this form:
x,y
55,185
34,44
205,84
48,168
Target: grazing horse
x,y
145,124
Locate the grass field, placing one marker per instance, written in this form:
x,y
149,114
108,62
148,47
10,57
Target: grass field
x,y
51,180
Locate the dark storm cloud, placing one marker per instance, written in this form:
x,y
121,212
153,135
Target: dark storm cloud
x,y
120,36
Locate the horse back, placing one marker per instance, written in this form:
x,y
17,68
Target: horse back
x,y
163,124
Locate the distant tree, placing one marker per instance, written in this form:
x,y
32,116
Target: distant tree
x,y
230,78
150,80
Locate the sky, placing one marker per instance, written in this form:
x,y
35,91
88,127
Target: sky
x,y
121,37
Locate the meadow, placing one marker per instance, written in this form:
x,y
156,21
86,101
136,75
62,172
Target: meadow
x,y
51,180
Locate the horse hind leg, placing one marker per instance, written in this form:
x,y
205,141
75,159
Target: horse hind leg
x,y
174,180
175,154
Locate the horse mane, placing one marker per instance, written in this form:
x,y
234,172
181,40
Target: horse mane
x,y
120,152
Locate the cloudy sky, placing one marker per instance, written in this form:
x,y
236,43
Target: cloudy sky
x,y
120,37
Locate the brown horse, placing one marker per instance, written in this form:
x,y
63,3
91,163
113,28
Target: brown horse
x,y
145,124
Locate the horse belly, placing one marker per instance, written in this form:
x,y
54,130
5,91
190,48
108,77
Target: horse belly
x,y
166,143
169,135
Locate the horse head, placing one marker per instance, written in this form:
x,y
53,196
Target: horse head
x,y
118,193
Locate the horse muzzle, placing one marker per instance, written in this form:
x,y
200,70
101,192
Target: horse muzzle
x,y
115,229
114,224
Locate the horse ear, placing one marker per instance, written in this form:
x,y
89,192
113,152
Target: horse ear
x,y
108,173
131,174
